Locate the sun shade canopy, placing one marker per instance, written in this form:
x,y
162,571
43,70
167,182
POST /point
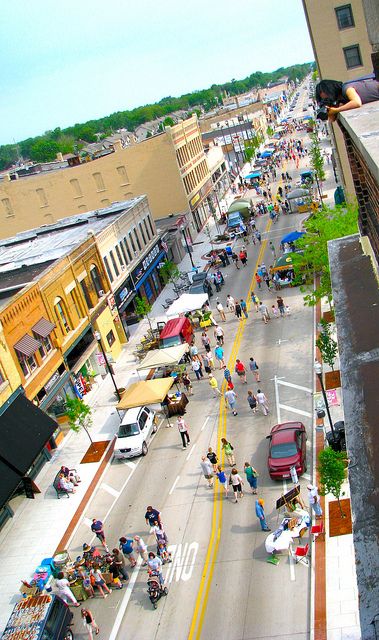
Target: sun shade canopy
x,y
186,303
27,346
145,392
43,328
163,357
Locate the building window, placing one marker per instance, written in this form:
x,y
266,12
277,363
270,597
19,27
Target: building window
x,y
76,188
27,363
98,178
106,202
96,279
142,233
132,242
2,379
150,225
76,303
62,316
115,267
120,258
137,239
123,252
344,15
42,197
110,338
86,294
45,347
123,175
352,56
109,272
128,249
7,207
146,229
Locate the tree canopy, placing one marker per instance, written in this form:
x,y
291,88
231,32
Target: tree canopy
x,y
207,99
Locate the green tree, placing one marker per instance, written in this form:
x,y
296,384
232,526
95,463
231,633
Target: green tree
x,y
324,225
79,415
327,345
44,150
270,131
169,272
316,158
332,470
315,75
8,155
143,308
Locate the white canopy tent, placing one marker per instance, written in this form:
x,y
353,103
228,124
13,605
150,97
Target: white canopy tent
x,y
163,357
186,303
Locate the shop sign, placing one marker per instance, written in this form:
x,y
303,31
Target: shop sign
x,y
123,294
195,199
146,262
111,302
100,359
53,380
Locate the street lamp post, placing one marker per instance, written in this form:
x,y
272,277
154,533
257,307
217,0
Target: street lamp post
x,y
318,372
182,229
108,366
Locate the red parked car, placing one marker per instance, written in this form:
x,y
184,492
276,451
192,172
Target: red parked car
x,y
287,449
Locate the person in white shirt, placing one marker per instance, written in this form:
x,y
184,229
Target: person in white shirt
x,y
183,430
314,500
155,564
64,591
221,311
207,470
230,303
236,482
219,335
262,401
141,548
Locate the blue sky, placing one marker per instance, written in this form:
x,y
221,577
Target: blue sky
x,y
68,62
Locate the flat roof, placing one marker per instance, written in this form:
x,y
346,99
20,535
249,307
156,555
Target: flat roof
x,y
24,256
363,126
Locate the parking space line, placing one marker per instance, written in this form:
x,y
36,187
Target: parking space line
x,y
203,427
190,453
125,601
174,485
300,412
292,567
110,490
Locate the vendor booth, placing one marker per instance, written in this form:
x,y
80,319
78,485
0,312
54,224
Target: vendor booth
x,y
243,206
186,303
150,392
285,270
159,358
300,200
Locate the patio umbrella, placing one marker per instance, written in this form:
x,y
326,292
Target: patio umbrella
x,y
287,261
255,174
292,236
266,154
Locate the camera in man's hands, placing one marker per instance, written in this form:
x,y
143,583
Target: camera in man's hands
x,y
322,113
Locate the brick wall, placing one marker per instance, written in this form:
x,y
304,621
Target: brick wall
x,y
367,190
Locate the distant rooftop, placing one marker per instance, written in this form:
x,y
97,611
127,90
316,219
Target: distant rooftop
x,y
24,256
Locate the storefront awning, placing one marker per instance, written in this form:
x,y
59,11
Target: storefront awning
x,y
84,357
24,431
27,346
145,392
43,328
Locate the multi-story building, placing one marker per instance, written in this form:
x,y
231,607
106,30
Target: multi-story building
x,y
171,168
342,51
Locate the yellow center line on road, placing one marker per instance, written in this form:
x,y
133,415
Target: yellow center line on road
x,y
215,537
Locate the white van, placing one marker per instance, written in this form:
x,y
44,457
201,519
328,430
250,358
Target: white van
x,y
136,428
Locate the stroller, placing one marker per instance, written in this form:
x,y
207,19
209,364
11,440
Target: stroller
x,y
155,589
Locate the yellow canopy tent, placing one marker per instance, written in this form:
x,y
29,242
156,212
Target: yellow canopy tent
x,y
163,357
145,392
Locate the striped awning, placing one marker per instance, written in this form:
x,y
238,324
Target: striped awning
x,y
43,327
27,345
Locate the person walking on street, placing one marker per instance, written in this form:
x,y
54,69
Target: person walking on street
x,y
228,450
206,341
155,564
254,369
260,513
159,533
244,307
219,355
264,312
243,257
273,250
236,481
212,457
220,309
231,397
219,335
258,280
90,623
258,237
183,430
281,306
235,259
64,591
214,386
238,310
206,363
196,368
255,300
141,548
251,476
115,573
230,304
207,470
98,529
99,581
126,546
241,371
262,401
221,476
314,500
252,401
187,383
119,560
152,515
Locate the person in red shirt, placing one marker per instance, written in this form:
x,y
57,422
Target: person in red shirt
x,y
241,371
258,280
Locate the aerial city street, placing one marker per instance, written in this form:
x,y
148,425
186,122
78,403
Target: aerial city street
x,y
188,321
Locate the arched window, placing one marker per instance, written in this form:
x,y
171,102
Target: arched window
x,y
62,315
96,279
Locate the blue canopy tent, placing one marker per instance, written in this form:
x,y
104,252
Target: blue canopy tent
x,y
266,154
307,118
292,236
251,176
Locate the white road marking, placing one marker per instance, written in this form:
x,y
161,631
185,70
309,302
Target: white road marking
x,y
125,601
307,476
87,522
292,567
280,341
191,452
293,385
203,427
298,411
131,465
109,489
183,561
174,485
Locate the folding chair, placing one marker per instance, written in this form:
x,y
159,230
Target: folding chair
x,y
318,530
300,554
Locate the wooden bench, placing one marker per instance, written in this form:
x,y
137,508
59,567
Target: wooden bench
x,y
59,489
